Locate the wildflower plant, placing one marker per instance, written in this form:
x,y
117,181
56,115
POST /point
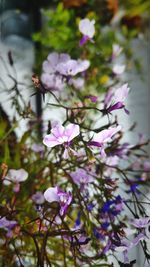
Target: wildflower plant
x,y
74,196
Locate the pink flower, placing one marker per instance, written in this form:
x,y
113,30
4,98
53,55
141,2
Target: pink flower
x,y
86,27
103,137
61,135
54,194
116,100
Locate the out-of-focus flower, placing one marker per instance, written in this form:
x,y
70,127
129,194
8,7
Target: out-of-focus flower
x,y
82,177
103,137
73,67
15,177
59,68
86,27
78,83
116,100
53,60
118,69
141,223
54,194
7,224
37,148
61,135
116,50
146,166
38,198
93,98
52,82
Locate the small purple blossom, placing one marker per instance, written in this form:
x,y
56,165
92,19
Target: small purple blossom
x,y
103,137
7,225
93,98
38,198
72,67
54,194
82,177
86,27
141,223
61,135
15,176
116,100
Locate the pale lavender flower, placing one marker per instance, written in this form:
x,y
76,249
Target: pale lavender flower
x,y
117,49
61,135
7,224
141,223
82,177
118,69
52,82
38,198
53,60
37,148
146,166
15,176
116,100
54,194
86,27
103,137
73,67
78,83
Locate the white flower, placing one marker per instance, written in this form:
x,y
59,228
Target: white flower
x,y
118,69
15,176
86,27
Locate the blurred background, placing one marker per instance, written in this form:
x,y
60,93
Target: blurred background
x,y
31,29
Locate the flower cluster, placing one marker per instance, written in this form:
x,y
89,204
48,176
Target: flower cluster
x,y
79,193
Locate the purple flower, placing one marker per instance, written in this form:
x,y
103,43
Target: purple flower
x,y
7,224
38,198
82,177
53,60
54,194
59,65
61,135
93,98
86,27
105,136
52,82
146,166
73,67
116,100
15,176
141,223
